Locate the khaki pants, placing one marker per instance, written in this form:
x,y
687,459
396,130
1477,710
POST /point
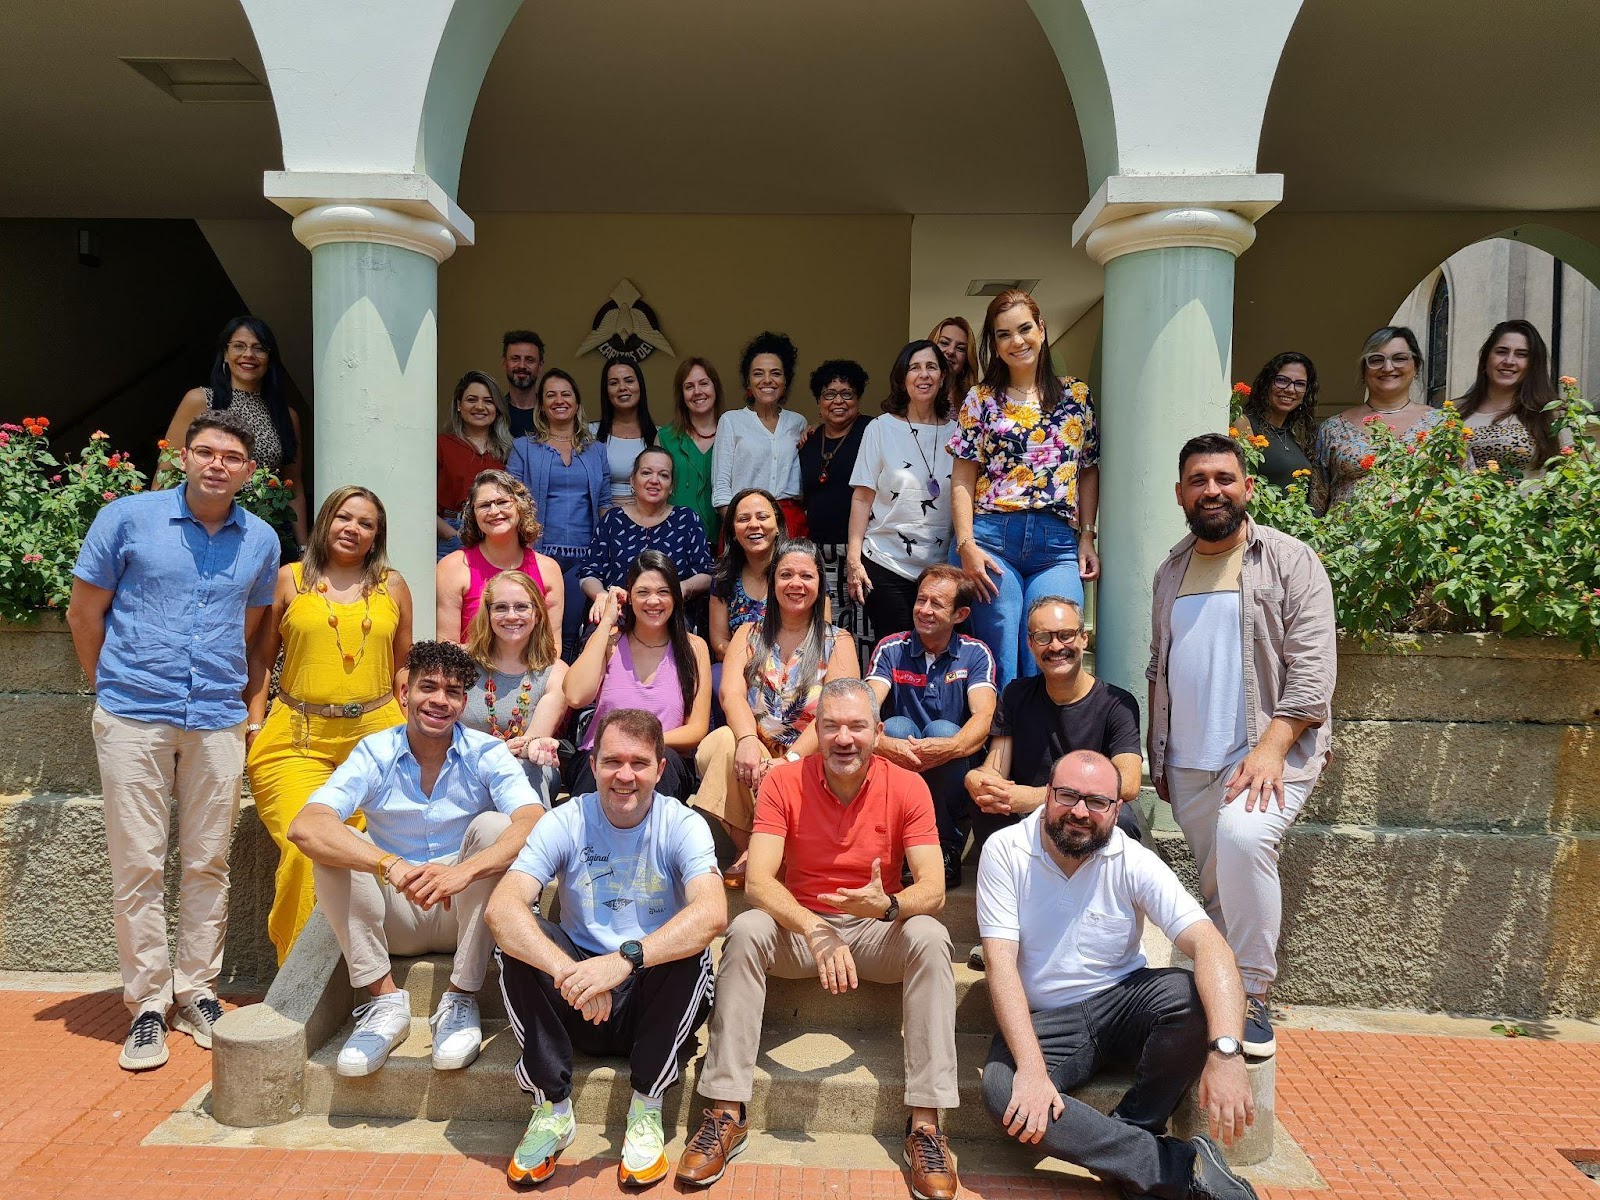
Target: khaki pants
x,y
721,794
144,767
914,952
373,920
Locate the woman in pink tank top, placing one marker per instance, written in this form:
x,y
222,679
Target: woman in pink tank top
x,y
642,655
498,532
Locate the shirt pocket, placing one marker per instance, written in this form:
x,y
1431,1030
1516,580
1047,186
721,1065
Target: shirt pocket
x,y
1104,939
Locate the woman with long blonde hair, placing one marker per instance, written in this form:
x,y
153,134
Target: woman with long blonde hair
x,y
518,698
343,620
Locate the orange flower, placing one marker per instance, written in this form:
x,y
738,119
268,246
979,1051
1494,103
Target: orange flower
x,y
1368,461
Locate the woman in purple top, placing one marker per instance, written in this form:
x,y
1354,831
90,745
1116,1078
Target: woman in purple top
x,y
642,655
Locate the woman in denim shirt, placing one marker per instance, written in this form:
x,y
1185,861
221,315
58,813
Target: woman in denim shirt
x,y
566,471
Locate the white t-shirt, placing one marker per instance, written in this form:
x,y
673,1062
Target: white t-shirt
x,y
1205,666
1076,936
618,884
747,455
909,529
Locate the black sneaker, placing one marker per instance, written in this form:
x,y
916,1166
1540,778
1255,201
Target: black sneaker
x,y
1213,1179
1258,1041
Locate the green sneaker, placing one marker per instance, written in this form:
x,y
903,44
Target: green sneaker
x,y
644,1155
548,1135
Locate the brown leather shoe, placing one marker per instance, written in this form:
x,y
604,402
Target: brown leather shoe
x,y
933,1167
719,1140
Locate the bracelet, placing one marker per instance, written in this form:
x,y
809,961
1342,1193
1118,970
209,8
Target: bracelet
x,y
384,863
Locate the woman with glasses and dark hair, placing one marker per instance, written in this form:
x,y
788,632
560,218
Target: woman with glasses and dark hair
x,y
757,446
771,680
625,426
342,618
1390,362
1282,407
697,389
642,655
247,383
900,512
1507,406
498,533
478,439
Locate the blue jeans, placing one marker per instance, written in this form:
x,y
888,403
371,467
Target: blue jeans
x,y
1038,556
952,807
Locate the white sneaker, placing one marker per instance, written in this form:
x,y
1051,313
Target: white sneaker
x,y
457,1036
381,1025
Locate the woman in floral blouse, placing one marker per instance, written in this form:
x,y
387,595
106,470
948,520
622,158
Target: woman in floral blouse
x,y
1026,483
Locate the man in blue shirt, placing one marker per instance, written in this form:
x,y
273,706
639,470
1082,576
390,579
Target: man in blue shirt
x,y
447,809
628,971
937,690
167,589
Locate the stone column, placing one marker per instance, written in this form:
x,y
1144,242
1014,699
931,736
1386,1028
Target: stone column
x,y
375,270
1164,378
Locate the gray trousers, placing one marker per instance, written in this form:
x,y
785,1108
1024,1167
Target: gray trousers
x,y
1152,1021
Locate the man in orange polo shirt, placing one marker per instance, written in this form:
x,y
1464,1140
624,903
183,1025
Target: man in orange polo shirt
x,y
838,823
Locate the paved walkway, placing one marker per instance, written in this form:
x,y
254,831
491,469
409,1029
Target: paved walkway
x,y
1380,1115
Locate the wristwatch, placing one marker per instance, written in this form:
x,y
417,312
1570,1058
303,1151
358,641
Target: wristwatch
x,y
1227,1047
633,951
894,909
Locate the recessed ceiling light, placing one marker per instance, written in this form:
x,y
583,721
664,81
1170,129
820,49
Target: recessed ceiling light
x,y
203,80
993,287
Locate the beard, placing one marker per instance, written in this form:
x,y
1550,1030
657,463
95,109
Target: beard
x,y
1076,842
1217,524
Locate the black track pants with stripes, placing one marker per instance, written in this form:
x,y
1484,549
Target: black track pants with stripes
x,y
654,1016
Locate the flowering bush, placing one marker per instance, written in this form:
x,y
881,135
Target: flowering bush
x,y
1427,543
46,507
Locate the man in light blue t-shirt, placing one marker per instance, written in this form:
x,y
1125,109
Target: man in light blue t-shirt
x,y
628,970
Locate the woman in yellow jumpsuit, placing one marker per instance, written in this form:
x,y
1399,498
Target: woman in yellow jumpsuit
x,y
343,619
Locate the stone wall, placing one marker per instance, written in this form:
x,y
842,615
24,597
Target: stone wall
x,y
1450,856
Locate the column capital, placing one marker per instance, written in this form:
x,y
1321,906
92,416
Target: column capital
x,y
1129,213
406,210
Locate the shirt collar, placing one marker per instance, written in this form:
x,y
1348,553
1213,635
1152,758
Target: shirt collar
x,y
184,513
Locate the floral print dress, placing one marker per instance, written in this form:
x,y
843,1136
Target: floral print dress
x,y
1340,456
1029,459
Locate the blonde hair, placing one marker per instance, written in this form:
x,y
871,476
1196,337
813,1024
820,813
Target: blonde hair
x,y
374,569
541,648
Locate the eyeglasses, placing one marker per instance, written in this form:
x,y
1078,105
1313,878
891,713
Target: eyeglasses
x,y
205,455
833,394
1284,384
511,610
1377,361
1040,639
1068,798
246,348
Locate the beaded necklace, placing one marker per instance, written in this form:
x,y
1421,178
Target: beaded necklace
x,y
350,660
519,712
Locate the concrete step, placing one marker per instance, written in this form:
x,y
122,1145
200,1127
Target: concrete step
x,y
795,1004
816,1082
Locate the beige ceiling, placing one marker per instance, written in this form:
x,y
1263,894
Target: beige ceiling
x,y
822,106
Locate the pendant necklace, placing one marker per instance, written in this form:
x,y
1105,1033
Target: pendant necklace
x,y
827,455
933,484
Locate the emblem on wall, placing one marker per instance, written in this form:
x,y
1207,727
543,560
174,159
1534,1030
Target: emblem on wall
x,y
625,327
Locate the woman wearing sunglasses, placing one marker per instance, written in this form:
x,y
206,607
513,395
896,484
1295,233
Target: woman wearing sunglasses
x,y
1390,363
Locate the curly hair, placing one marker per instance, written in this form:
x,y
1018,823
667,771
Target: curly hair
x,y
444,658
1302,420
527,519
768,342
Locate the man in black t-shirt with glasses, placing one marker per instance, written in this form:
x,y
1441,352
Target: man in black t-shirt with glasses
x,y
1041,717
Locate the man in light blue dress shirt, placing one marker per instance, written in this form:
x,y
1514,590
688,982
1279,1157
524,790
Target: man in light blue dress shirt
x,y
167,589
447,809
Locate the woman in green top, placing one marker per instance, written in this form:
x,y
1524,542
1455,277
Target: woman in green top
x,y
688,439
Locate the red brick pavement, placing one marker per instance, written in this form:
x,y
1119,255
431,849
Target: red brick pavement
x,y
1379,1115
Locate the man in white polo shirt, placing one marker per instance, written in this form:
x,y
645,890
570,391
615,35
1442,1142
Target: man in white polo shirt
x,y
1062,899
